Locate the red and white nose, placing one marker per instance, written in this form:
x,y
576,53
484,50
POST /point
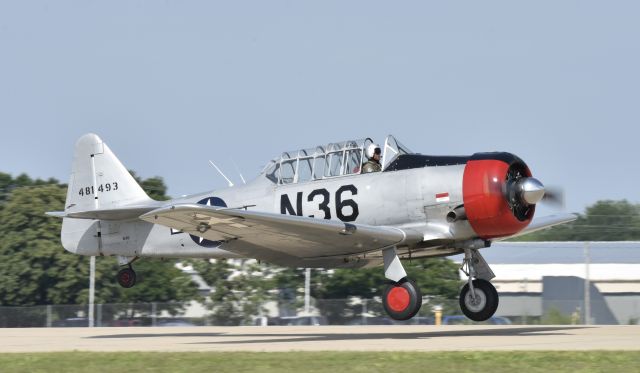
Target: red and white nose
x,y
499,194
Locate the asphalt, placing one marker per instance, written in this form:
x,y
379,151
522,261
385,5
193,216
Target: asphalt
x,y
323,338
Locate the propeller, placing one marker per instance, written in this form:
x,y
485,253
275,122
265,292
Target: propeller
x,y
523,192
554,196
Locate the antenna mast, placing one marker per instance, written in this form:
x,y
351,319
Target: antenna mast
x,y
221,173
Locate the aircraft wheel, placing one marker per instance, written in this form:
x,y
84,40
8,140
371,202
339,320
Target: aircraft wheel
x,y
485,303
126,277
402,300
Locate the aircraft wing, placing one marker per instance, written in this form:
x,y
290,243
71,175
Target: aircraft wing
x,y
293,236
543,223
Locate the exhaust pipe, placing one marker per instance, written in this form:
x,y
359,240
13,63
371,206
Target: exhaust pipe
x,y
457,214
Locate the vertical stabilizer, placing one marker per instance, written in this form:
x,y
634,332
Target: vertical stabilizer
x,y
98,181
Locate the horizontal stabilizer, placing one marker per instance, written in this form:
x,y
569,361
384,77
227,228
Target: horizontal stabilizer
x,y
121,213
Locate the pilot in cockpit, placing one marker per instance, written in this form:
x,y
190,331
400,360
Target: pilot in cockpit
x,y
373,155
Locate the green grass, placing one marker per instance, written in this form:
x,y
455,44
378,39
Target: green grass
x,y
335,362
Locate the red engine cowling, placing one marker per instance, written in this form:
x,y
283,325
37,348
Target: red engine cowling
x,y
491,210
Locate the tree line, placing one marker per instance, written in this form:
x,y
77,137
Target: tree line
x,y
603,221
36,270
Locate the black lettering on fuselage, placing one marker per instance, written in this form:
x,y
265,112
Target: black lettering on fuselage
x,y
341,204
324,205
287,208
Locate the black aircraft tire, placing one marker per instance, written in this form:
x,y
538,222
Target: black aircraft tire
x,y
402,300
126,277
486,302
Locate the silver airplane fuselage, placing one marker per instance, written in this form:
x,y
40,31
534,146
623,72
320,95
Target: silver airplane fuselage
x,y
405,199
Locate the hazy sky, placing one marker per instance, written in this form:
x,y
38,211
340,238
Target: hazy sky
x,y
172,84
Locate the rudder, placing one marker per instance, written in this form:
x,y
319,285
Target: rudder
x,y
98,181
98,178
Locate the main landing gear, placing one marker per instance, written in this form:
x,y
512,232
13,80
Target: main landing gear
x,y
478,297
401,298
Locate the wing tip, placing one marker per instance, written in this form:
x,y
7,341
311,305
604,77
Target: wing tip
x,y
56,214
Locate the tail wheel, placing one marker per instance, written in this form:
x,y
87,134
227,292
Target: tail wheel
x,y
483,305
402,300
126,277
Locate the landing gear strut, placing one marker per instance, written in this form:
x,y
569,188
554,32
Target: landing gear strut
x,y
478,297
126,277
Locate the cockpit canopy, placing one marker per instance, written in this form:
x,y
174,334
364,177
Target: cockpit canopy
x,y
328,161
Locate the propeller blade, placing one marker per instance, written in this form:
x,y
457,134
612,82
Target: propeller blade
x,y
554,196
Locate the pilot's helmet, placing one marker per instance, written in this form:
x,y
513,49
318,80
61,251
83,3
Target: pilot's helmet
x,y
372,149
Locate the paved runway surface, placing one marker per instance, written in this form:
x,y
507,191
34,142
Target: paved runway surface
x,y
323,338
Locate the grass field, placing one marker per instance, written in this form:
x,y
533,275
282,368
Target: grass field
x,y
335,362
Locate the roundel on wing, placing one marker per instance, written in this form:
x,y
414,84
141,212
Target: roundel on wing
x,y
210,201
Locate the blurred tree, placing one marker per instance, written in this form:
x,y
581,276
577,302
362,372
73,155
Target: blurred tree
x,y
554,316
153,186
8,183
240,289
602,221
256,287
224,306
289,285
35,269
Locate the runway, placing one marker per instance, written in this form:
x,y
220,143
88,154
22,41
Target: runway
x,y
323,338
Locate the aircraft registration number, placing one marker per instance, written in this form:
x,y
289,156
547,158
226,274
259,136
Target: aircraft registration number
x,y
89,190
346,209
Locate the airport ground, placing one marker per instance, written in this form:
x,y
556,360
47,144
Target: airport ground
x,y
320,349
400,338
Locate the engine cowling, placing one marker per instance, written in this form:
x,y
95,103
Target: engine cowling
x,y
499,194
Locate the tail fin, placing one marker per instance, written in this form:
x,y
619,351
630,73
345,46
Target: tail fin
x,y
99,180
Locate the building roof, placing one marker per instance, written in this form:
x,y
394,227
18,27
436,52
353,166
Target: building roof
x,y
625,252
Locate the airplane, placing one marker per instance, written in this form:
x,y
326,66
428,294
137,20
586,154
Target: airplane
x,y
318,208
